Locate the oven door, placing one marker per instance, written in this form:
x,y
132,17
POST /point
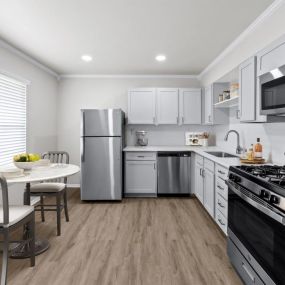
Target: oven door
x,y
273,92
262,235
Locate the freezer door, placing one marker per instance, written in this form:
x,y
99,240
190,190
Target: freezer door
x,y
101,122
101,168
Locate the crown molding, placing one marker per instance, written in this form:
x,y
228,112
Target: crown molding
x,y
252,27
128,76
28,58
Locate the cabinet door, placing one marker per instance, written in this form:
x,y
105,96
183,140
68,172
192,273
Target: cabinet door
x,y
190,106
141,106
167,105
247,83
209,191
140,177
199,191
208,108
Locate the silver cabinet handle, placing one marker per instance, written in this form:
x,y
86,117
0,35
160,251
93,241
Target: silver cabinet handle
x,y
252,278
154,166
153,120
238,114
221,172
177,120
220,204
141,156
200,171
221,222
203,173
221,188
209,118
182,120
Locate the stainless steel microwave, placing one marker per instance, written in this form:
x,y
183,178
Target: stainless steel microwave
x,y
272,92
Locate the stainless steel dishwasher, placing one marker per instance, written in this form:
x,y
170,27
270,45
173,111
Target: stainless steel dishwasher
x,y
174,173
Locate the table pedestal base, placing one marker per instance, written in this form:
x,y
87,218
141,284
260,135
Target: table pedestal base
x,y
23,249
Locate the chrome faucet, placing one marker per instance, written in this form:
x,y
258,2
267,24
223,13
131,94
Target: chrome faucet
x,y
239,149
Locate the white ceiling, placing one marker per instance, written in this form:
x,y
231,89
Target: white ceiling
x,y
124,36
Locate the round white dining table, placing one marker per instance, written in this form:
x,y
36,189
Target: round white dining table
x,y
38,174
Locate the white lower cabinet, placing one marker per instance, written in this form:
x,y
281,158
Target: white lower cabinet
x,y
205,183
221,191
199,180
209,191
140,175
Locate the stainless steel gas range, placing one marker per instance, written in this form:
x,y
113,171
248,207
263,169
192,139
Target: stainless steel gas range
x,y
256,223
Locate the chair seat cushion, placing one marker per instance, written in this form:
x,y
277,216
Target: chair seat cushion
x,y
16,213
48,187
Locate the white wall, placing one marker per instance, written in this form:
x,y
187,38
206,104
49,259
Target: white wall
x,y
77,93
272,135
41,105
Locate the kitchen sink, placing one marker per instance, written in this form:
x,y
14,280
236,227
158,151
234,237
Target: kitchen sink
x,y
221,154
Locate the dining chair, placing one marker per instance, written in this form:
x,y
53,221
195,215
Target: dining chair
x,y
11,217
55,188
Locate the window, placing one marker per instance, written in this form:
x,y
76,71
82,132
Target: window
x,y
12,119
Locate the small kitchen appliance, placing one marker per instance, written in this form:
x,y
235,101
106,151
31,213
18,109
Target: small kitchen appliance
x,y
142,140
256,223
192,138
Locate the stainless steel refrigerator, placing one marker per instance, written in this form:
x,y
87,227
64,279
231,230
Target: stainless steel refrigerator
x,y
101,154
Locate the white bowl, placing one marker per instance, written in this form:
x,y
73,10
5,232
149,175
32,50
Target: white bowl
x,y
25,165
43,162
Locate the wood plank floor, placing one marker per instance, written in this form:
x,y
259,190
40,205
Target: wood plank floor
x,y
138,241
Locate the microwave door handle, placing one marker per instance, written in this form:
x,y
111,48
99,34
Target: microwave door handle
x,y
263,209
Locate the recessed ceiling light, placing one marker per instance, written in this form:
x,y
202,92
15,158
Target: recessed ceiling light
x,y
86,57
160,57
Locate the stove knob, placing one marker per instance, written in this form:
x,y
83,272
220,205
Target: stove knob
x,y
234,178
274,199
264,194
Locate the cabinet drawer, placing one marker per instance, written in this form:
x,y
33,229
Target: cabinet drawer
x,y
222,205
221,188
246,272
140,156
199,159
210,165
222,221
221,172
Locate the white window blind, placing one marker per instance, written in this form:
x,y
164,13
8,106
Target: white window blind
x,y
12,119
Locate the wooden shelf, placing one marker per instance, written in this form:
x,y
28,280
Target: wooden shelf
x,y
228,103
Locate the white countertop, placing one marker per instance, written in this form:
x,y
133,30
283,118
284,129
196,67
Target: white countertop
x,y
226,162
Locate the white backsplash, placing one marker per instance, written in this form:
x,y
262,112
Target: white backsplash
x,y
165,134
272,136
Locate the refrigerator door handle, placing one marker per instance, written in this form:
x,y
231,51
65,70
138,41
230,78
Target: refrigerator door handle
x,y
82,123
82,149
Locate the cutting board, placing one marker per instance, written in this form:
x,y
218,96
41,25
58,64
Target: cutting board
x,y
255,161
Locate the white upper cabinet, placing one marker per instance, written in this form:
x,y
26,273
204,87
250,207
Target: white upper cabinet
x,y
167,106
190,106
213,115
141,106
249,104
208,107
271,57
247,83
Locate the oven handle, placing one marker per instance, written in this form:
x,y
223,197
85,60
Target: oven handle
x,y
263,209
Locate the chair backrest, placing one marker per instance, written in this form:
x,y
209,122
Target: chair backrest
x,y
5,200
57,157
